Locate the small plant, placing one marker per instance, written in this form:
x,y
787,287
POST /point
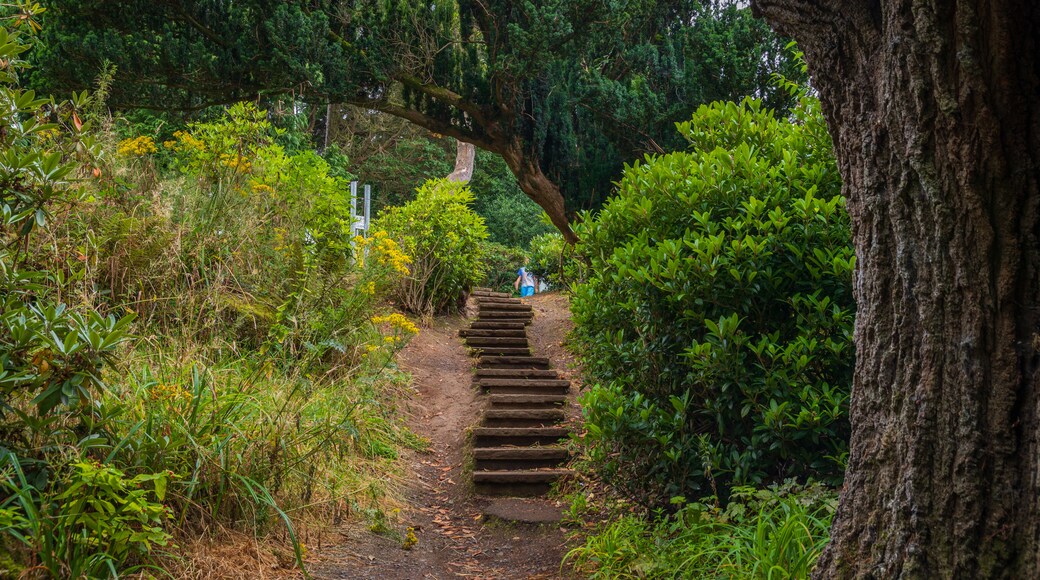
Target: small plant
x,y
88,522
767,534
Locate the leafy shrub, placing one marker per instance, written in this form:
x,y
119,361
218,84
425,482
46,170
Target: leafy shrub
x,y
443,237
717,319
264,384
501,265
768,534
555,261
89,522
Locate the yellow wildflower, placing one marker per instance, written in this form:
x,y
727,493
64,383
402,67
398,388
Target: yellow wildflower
x,y
136,146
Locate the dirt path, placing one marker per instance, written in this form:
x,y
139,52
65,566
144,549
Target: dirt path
x,y
455,539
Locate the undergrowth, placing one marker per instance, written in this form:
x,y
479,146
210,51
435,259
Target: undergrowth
x,y
774,533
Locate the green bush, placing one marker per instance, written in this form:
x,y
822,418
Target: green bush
x,y
443,237
501,265
767,534
555,261
716,324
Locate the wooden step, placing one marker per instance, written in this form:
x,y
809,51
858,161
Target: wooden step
x,y
491,333
498,325
512,389
486,351
518,458
482,341
528,362
525,483
496,315
484,374
499,436
526,400
503,307
520,476
523,417
501,386
490,294
490,300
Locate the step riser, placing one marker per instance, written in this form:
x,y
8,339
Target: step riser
x,y
525,414
525,390
506,366
489,300
512,490
533,405
489,294
483,374
500,351
500,341
502,315
517,464
493,334
499,325
503,307
513,382
520,422
500,440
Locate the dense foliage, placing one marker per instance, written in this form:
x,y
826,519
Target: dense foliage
x,y
188,342
716,322
443,236
565,92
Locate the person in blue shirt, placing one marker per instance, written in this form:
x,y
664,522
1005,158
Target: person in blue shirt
x,y
525,282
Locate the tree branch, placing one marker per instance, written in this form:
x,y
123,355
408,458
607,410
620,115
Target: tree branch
x,y
427,122
443,95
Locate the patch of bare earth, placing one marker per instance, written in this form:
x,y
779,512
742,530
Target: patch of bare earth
x,y
455,537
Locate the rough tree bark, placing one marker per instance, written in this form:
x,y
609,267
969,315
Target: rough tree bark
x,y
934,107
465,158
538,187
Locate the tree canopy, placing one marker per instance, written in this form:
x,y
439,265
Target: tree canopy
x,y
565,91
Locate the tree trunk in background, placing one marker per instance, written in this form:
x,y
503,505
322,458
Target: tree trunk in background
x,y
934,107
539,188
465,158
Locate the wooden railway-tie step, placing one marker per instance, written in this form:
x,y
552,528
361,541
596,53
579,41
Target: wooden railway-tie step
x,y
516,448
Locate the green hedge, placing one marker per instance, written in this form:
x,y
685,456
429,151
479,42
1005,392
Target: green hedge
x,y
717,318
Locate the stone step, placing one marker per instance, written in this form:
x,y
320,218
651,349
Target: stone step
x,y
529,362
527,400
518,458
486,351
482,341
491,333
515,373
523,417
503,307
500,436
497,325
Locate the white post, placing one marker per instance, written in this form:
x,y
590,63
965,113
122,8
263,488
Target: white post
x,y
368,207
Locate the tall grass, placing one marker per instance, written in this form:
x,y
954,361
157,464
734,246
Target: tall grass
x,y
771,534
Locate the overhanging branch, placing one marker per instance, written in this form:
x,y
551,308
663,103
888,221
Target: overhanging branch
x,y
427,122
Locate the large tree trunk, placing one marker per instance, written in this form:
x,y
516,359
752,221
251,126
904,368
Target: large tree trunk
x,y
934,107
465,159
539,187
